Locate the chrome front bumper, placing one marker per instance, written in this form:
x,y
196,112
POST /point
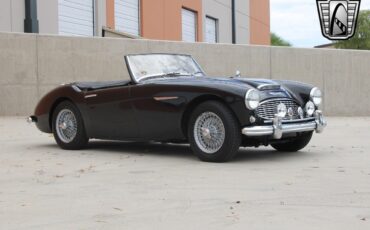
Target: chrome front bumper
x,y
278,129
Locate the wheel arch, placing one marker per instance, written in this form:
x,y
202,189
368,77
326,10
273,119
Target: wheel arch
x,y
193,104
54,106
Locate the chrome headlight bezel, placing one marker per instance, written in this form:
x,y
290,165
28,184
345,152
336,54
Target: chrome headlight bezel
x,y
252,99
316,96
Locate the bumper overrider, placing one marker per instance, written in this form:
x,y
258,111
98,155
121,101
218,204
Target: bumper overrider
x,y
278,128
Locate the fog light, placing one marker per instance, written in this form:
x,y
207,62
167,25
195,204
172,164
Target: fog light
x,y
300,113
310,108
281,110
252,119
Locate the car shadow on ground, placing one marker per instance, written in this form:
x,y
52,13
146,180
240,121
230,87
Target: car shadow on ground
x,y
182,151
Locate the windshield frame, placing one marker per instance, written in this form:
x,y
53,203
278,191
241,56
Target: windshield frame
x,y
137,81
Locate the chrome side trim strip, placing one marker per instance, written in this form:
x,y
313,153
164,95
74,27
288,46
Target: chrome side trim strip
x,y
165,98
91,95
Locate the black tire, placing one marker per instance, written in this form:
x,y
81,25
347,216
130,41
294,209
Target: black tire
x,y
232,137
80,140
294,145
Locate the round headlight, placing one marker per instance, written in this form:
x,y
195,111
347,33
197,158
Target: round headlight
x,y
316,96
310,108
252,99
281,110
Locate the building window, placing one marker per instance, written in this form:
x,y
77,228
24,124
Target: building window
x,y
189,25
76,17
127,16
211,30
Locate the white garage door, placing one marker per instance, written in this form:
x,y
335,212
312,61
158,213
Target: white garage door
x,y
189,26
211,30
76,17
126,15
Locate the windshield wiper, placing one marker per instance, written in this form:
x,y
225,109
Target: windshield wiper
x,y
198,72
175,74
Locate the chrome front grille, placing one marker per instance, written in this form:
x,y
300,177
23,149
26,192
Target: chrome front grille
x,y
268,109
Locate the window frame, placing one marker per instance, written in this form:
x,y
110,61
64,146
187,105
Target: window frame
x,y
196,23
94,20
217,28
139,21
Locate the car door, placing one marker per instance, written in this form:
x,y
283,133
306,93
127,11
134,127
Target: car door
x,y
159,109
111,114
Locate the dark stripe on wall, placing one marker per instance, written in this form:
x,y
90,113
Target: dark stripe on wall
x,y
31,23
233,21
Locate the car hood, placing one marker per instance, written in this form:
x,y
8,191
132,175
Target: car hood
x,y
237,86
245,83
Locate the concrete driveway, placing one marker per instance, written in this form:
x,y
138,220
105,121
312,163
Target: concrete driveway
x,y
149,186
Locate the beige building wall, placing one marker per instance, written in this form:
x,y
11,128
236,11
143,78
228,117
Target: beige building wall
x,y
47,13
12,15
100,16
221,10
242,21
5,16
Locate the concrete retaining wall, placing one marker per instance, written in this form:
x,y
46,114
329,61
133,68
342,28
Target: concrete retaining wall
x,y
31,65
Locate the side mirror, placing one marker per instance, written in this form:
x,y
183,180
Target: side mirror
x,y
238,74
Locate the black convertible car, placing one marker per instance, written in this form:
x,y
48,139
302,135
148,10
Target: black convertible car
x,y
170,99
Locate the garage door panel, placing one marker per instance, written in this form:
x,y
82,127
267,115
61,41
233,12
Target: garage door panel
x,y
76,21
76,17
211,30
70,28
127,16
76,4
75,13
189,21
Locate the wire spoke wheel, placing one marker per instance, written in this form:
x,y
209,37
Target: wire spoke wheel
x,y
209,132
66,125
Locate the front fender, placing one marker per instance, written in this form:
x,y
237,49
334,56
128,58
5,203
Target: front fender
x,y
300,91
47,104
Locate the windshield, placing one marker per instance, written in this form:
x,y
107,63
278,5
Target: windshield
x,y
151,66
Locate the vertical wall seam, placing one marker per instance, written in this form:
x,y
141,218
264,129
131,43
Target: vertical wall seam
x,y
270,48
95,18
323,80
11,15
37,67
